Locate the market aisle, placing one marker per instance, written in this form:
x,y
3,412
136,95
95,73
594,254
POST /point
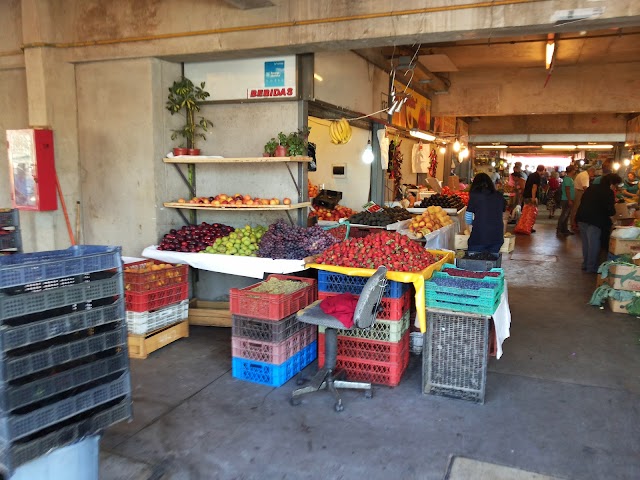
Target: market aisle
x,y
562,401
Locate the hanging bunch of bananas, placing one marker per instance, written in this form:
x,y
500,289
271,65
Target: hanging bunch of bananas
x,y
635,163
340,131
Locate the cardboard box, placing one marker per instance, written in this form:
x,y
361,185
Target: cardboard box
x,y
617,306
454,182
461,241
618,246
624,277
509,244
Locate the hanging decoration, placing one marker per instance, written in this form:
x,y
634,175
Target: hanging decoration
x,y
433,167
395,168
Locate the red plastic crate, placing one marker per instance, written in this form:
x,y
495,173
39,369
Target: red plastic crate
x,y
271,352
152,300
370,350
390,308
138,277
381,373
268,306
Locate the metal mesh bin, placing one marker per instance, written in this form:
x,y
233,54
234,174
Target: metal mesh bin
x,y
454,359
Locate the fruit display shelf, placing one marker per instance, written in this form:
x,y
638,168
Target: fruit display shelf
x,y
252,267
244,208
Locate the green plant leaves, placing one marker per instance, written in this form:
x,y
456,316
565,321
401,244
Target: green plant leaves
x,y
187,97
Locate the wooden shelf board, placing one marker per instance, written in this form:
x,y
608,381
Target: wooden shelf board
x,y
244,208
196,159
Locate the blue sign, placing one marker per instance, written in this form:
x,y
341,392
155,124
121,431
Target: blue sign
x,y
274,74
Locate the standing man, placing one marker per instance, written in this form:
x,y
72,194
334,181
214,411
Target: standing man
x,y
581,183
532,186
568,197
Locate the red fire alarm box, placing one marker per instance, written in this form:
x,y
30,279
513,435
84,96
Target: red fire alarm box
x,y
32,169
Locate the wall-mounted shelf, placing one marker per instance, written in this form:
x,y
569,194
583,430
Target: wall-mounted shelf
x,y
197,159
243,208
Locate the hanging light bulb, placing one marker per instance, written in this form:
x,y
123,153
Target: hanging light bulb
x,y
493,164
367,154
616,166
443,149
456,146
626,162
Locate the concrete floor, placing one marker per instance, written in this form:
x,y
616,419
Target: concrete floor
x,y
563,401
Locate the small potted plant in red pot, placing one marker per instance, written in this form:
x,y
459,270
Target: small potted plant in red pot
x,y
185,98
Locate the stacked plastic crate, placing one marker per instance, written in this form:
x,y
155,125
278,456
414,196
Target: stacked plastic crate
x,y
157,305
459,338
377,355
269,344
10,239
64,371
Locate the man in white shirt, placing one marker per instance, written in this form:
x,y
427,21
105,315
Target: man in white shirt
x,y
581,183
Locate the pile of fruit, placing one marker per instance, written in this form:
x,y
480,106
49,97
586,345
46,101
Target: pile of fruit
x,y
150,275
456,272
276,286
384,217
242,242
337,213
193,238
396,252
340,131
433,218
237,200
443,201
464,196
313,189
283,240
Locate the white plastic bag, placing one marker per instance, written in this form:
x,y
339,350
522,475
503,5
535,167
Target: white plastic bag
x,y
626,233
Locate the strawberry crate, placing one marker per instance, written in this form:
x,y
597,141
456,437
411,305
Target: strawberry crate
x,y
363,349
153,275
381,330
269,306
331,282
381,373
139,323
270,374
265,330
155,299
452,280
270,352
390,308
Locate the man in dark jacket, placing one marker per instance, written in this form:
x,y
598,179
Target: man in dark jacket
x,y
594,218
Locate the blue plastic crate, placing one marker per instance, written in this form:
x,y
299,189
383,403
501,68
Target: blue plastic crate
x,y
338,283
34,332
13,427
24,268
12,306
273,375
15,367
480,307
13,397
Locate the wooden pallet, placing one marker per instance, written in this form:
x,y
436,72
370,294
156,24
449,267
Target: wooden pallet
x,y
209,314
140,346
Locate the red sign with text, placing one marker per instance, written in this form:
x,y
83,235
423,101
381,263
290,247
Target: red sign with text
x,y
274,92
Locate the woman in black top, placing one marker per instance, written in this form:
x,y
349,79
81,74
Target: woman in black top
x,y
485,209
593,217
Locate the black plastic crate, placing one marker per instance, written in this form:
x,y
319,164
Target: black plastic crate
x,y
35,332
9,239
12,306
16,426
15,367
455,355
479,265
14,397
265,330
9,217
24,268
19,453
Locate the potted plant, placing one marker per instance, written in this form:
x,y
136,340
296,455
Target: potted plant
x,y
270,147
186,98
297,143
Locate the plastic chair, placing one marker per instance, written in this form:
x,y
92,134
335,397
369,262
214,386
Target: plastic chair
x,y
328,378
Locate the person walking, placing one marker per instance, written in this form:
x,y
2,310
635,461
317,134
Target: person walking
x,y
594,218
566,201
484,213
581,183
554,193
531,188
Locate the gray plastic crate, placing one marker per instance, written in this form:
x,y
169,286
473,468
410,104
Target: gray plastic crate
x,y
15,454
14,427
9,217
12,306
10,239
23,335
454,359
478,265
24,268
14,397
18,367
